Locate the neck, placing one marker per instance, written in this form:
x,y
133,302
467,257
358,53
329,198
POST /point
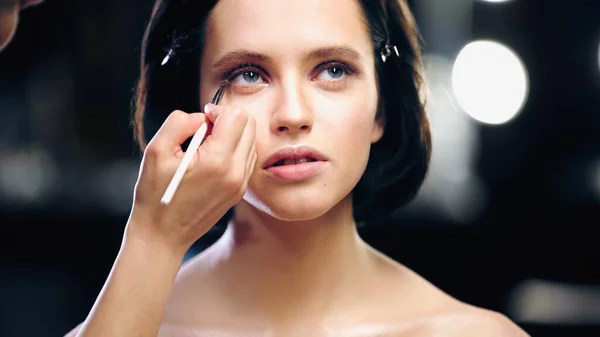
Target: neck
x,y
281,269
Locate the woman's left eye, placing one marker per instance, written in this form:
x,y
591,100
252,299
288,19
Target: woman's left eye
x,y
249,77
332,72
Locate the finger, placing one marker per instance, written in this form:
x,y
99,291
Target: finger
x,y
213,111
250,164
242,153
228,128
177,128
250,157
246,145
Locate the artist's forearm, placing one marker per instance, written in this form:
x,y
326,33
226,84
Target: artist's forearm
x,y
133,299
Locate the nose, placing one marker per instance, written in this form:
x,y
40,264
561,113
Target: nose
x,y
292,114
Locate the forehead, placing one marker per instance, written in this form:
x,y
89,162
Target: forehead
x,y
287,26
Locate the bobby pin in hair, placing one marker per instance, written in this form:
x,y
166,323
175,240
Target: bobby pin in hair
x,y
166,59
386,51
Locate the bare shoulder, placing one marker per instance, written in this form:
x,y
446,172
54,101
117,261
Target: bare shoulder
x,y
422,309
74,332
474,322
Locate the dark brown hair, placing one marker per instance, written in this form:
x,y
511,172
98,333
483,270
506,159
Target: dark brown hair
x,y
398,162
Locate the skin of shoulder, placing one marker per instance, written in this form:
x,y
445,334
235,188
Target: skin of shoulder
x,y
461,321
439,314
74,332
431,311
476,322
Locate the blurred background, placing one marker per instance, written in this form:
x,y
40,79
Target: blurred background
x,y
507,219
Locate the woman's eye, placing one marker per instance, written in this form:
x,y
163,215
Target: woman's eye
x,y
333,72
248,77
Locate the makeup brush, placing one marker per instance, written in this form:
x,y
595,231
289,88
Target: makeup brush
x,y
192,148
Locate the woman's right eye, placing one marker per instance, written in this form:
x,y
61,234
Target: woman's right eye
x,y
248,77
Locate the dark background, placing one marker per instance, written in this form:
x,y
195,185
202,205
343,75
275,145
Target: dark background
x,y
68,163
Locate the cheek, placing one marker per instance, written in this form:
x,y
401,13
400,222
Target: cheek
x,y
351,122
342,123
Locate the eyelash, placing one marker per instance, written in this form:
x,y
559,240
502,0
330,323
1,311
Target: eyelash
x,y
242,68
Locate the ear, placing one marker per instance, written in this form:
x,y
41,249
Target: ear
x,y
378,126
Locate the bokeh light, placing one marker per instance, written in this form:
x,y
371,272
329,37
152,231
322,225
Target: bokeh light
x,y
452,187
598,56
28,176
553,302
596,179
490,82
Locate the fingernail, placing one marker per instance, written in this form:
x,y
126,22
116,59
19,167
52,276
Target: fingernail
x,y
209,108
212,112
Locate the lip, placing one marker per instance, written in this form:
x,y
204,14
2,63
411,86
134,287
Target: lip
x,y
294,152
297,172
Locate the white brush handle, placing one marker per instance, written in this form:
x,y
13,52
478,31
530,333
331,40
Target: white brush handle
x,y
185,162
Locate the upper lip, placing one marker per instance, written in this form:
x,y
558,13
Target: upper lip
x,y
294,152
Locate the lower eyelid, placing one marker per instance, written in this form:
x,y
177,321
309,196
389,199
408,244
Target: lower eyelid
x,y
348,69
248,88
347,73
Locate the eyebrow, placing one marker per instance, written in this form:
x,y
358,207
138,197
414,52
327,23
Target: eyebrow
x,y
321,52
331,51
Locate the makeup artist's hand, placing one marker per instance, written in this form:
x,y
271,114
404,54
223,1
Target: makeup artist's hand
x,y
215,181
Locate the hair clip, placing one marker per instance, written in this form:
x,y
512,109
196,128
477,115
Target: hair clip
x,y
386,51
166,59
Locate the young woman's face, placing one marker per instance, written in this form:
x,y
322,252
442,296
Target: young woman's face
x,y
308,79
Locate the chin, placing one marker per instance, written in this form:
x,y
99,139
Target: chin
x,y
292,205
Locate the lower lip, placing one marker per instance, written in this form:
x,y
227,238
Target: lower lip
x,y
297,172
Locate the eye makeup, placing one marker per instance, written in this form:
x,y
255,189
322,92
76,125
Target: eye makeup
x,y
233,73
240,69
348,69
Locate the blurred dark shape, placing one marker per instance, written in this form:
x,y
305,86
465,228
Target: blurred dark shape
x,y
544,302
